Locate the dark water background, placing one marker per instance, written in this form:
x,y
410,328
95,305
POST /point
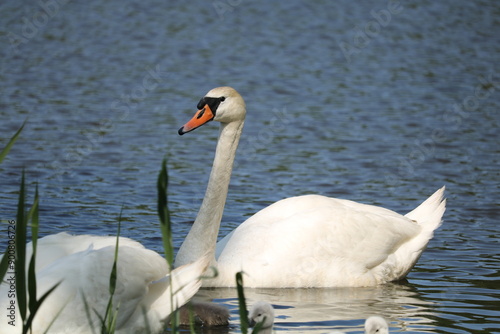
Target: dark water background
x,y
375,101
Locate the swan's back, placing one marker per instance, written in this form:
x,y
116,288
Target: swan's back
x,y
318,241
56,246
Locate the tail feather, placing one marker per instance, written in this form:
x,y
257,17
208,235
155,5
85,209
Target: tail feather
x,y
430,212
428,215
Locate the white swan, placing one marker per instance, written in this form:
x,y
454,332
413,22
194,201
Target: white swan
x,y
305,241
376,325
262,312
83,264
373,325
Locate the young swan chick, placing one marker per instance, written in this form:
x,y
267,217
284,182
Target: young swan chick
x,y
376,325
373,325
205,314
262,312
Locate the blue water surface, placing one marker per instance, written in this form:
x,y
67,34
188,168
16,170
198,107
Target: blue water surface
x,y
381,102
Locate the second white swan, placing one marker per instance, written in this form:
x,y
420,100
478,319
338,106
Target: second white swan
x,y
305,241
146,291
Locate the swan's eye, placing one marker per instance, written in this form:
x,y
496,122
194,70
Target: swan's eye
x,y
212,102
222,98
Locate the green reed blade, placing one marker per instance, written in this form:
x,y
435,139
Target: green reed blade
x,y
21,252
242,303
4,263
33,217
164,214
11,142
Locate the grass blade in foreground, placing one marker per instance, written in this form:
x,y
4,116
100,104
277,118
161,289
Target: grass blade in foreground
x,y
164,214
21,232
166,233
4,264
33,304
11,142
26,284
111,315
242,303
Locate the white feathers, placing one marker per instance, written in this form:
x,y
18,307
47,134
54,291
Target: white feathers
x,y
262,314
82,266
304,241
373,325
376,325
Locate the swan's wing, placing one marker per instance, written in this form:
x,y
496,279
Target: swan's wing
x,y
316,236
84,277
136,270
177,288
80,275
142,292
221,244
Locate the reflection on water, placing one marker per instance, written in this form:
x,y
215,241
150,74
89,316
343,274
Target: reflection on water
x,y
106,85
313,310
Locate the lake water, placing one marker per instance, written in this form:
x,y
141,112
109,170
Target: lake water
x,y
381,102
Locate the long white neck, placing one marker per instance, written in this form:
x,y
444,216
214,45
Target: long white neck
x,y
202,237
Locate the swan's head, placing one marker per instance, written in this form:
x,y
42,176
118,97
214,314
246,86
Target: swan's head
x,y
376,325
222,104
261,312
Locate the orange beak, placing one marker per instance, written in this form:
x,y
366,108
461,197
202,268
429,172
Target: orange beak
x,y
202,116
